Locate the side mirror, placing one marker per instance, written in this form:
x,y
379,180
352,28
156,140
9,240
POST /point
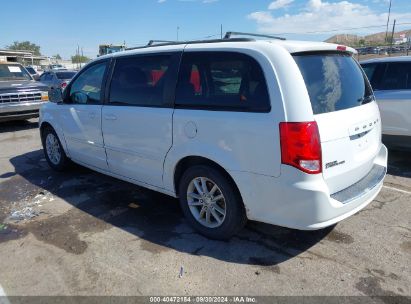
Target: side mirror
x,y
79,97
56,95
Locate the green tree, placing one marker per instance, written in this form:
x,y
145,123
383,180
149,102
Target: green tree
x,y
58,57
79,59
25,46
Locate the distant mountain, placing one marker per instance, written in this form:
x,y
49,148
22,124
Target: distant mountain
x,y
349,39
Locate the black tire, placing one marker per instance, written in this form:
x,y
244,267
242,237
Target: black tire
x,y
235,216
64,161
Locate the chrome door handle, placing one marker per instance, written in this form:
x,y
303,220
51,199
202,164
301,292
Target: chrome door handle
x,y
110,117
92,115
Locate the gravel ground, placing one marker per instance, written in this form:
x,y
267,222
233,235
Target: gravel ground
x,y
82,233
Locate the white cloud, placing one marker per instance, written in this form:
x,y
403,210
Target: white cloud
x,y
161,1
325,16
279,4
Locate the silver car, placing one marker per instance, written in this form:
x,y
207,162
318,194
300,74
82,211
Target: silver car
x,y
390,79
55,79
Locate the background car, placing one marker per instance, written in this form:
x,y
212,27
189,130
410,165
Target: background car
x,y
390,79
33,72
57,79
20,96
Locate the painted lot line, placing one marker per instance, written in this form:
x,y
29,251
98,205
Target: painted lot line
x,y
3,297
396,189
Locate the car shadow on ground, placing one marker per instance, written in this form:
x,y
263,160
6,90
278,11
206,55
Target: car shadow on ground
x,y
399,163
154,218
18,125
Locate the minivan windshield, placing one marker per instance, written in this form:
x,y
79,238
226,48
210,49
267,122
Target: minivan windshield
x,y
13,72
334,81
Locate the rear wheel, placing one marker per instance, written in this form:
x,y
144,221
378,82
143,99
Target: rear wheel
x,y
211,203
53,150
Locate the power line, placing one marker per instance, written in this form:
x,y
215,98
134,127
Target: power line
x,y
344,29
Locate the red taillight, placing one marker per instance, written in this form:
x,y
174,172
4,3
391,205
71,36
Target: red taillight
x,y
63,85
341,48
301,146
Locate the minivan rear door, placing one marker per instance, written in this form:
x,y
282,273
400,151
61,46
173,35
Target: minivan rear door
x,y
346,113
137,116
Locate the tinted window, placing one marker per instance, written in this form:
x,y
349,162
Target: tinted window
x,y
334,81
13,72
139,80
87,87
31,71
369,69
65,75
397,76
222,80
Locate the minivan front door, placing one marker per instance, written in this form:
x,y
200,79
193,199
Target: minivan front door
x,y
80,116
137,118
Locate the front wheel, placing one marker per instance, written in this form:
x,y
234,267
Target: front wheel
x,y
211,203
53,150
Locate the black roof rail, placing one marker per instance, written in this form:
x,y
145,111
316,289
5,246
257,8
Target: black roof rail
x,y
167,43
153,42
228,35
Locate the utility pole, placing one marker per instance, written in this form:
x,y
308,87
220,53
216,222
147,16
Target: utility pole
x,y
82,55
78,56
221,31
392,36
388,21
178,30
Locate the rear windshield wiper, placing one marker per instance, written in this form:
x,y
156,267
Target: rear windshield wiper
x,y
366,99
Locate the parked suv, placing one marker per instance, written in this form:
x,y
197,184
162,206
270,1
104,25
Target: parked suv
x,y
391,81
282,132
20,96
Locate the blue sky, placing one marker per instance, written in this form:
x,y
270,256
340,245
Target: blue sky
x,y
59,26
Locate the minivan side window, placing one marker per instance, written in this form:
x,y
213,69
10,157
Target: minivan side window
x,y
221,81
397,76
140,80
87,87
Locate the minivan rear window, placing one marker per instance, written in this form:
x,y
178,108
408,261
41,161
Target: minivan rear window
x,y
65,75
334,81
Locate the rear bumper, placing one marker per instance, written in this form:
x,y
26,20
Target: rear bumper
x,y
301,201
14,111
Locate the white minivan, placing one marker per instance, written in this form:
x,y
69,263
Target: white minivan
x,y
283,132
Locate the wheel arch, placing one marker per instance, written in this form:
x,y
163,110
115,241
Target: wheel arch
x,y
189,161
45,123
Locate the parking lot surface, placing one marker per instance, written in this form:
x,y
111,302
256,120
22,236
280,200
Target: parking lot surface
x,y
82,233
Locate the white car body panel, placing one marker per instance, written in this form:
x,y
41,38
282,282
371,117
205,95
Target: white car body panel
x,y
137,140
395,108
81,125
352,138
